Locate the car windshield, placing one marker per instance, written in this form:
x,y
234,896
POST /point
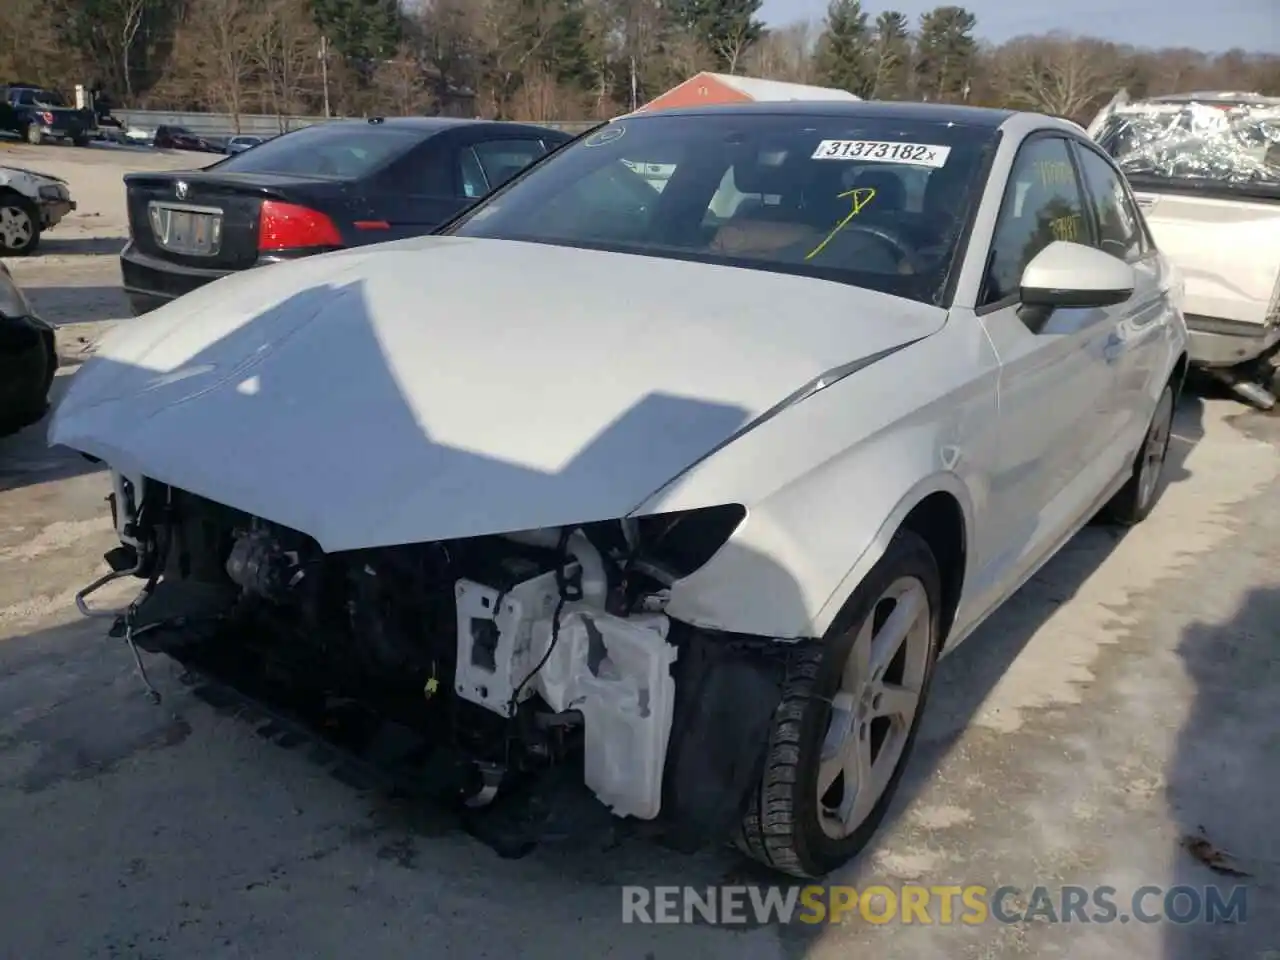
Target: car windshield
x,y
342,151
1225,148
870,201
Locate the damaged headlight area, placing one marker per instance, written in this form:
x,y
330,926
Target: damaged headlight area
x,y
514,653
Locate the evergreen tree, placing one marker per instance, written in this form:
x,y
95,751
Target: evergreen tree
x,y
362,30
945,53
892,56
727,28
844,49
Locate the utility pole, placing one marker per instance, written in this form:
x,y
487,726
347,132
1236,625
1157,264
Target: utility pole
x,y
324,71
635,86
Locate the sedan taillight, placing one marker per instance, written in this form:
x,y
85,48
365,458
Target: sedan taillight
x,y
289,226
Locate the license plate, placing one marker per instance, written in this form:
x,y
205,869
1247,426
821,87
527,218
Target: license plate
x,y
191,231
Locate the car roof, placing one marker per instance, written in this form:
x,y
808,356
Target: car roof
x,y
430,126
882,109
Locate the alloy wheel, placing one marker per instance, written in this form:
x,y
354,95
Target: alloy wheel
x,y
874,709
16,228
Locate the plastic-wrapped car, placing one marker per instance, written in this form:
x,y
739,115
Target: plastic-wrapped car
x,y
1205,168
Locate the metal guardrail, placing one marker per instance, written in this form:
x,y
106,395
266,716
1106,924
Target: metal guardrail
x,y
220,125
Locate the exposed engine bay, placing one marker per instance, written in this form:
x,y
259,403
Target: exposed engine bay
x,y
520,651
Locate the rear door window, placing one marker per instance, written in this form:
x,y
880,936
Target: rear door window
x,y
343,151
503,159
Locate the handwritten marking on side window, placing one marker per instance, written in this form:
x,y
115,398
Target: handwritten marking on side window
x,y
1055,173
1066,228
858,198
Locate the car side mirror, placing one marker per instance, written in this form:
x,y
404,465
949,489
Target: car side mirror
x,y
1071,275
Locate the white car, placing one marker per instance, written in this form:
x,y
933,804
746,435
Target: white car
x,y
691,500
242,142
1206,171
30,203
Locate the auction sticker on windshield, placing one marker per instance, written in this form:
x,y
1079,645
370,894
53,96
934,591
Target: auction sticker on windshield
x,y
883,151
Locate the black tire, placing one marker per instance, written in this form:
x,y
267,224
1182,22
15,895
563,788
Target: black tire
x,y
80,141
780,827
1134,501
12,200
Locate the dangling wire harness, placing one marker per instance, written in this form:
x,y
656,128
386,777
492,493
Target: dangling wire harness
x,y
569,589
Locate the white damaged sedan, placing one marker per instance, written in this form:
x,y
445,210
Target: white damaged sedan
x,y
681,487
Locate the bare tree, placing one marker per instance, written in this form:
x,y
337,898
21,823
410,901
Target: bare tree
x,y
729,48
512,34
218,46
284,52
127,25
30,46
1057,74
784,53
448,32
576,58
400,82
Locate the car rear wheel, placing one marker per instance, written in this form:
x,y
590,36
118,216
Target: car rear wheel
x,y
847,720
1139,495
19,225
80,141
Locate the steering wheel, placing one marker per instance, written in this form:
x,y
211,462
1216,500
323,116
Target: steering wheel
x,y
903,253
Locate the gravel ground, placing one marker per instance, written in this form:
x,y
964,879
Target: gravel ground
x,y
1114,724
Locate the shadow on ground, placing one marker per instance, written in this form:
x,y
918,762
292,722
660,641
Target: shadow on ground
x,y
55,246
63,305
1229,849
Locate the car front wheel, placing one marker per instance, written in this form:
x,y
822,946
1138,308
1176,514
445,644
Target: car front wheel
x,y
847,720
19,225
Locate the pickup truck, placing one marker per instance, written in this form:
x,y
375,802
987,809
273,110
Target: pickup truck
x,y
38,114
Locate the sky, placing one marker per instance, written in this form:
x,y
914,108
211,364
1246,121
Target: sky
x,y
1212,25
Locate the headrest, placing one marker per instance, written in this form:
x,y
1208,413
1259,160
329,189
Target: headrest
x,y
890,193
764,173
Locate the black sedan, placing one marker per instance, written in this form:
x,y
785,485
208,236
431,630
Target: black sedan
x,y
320,188
28,359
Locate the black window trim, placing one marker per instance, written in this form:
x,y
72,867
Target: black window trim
x,y
947,294
458,177
1147,242
982,309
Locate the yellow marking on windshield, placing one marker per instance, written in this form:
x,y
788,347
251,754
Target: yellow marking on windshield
x,y
859,197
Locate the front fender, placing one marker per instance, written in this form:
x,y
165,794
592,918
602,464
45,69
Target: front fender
x,y
827,482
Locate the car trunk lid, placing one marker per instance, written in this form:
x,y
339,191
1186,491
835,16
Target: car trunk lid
x,y
210,220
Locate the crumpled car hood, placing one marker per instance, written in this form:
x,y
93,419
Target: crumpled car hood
x,y
447,387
